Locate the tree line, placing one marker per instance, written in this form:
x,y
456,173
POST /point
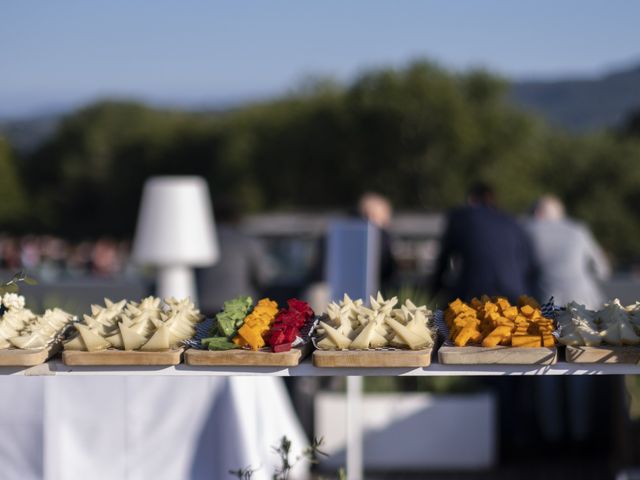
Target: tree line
x,y
420,135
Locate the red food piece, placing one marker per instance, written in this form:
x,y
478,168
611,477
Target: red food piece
x,y
276,337
288,323
290,334
302,307
282,347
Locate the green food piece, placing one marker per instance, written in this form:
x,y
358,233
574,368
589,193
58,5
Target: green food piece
x,y
218,343
232,316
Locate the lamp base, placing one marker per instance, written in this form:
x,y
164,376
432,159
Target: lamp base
x,y
177,281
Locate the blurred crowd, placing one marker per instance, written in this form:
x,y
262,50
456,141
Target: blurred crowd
x,y
482,250
52,257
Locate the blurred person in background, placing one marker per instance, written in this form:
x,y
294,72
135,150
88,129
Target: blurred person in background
x,y
491,253
377,209
50,257
53,261
571,261
243,268
106,261
30,255
79,260
9,253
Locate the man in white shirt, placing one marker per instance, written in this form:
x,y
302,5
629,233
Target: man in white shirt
x,y
570,260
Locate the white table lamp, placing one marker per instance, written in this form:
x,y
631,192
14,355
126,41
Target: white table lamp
x,y
176,232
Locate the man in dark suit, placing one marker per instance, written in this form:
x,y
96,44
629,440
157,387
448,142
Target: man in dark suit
x,y
491,254
490,251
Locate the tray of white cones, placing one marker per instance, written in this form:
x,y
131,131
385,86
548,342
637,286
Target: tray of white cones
x,y
149,332
27,339
380,333
608,335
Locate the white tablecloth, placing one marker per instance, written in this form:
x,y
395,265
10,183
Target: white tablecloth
x,y
137,428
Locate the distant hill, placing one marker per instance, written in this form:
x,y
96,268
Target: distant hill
x,y
578,104
582,104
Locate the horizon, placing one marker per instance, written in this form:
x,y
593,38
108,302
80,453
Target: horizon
x,y
213,104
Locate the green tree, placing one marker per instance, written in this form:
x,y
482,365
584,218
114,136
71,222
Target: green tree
x,y
87,179
12,198
420,135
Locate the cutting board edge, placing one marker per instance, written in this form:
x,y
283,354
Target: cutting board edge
x,y
121,359
26,358
372,359
447,355
242,358
571,354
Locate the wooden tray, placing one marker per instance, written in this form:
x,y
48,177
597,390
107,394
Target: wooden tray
x,y
607,354
15,357
497,355
372,358
243,358
121,358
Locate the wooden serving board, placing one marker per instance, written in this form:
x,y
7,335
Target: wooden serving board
x,y
372,358
121,358
470,355
607,354
243,358
16,357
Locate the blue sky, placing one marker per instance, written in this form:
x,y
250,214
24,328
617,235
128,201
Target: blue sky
x,y
58,54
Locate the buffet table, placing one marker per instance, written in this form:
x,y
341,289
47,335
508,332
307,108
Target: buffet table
x,y
74,428
138,396
227,400
306,369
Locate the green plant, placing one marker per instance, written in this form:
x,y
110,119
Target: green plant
x,y
243,473
312,454
13,285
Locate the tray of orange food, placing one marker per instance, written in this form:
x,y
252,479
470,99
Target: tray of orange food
x,y
490,330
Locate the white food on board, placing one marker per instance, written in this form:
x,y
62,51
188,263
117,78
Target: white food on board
x,y
21,328
349,324
616,325
150,325
613,325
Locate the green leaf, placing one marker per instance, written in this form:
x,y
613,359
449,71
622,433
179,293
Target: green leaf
x,y
12,285
218,343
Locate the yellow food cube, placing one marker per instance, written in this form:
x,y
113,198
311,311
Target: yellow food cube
x,y
503,303
492,340
525,341
548,341
511,313
464,336
527,310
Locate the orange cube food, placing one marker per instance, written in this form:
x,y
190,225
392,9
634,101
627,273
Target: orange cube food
x,y
256,324
525,341
494,321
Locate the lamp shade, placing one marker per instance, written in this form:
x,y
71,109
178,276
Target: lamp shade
x,y
175,223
